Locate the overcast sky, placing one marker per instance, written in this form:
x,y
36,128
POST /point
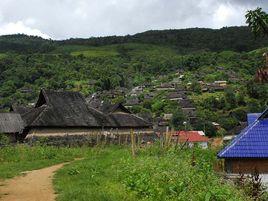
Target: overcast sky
x,y
61,19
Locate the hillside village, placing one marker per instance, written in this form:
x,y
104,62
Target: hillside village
x,y
135,115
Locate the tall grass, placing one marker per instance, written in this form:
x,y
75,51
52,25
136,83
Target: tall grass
x,y
112,173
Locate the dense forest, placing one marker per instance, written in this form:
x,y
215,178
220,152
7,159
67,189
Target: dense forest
x,y
92,65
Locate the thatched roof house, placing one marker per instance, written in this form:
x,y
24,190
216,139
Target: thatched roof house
x,y
61,113
11,124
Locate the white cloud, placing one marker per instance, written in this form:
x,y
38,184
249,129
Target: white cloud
x,y
229,15
20,27
85,18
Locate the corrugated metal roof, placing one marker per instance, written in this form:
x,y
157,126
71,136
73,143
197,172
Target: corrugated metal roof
x,y
11,123
190,136
251,117
252,142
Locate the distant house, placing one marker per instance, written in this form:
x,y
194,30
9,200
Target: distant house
x,y
59,113
11,125
137,90
132,101
221,83
188,108
215,86
148,96
175,96
191,138
167,117
249,150
166,87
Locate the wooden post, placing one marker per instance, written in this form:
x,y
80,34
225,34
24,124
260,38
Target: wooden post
x,y
97,141
126,139
119,137
133,141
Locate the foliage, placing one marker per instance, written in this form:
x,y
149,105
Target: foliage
x,y
4,140
257,20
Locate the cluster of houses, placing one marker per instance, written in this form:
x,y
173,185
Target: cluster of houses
x,y
60,113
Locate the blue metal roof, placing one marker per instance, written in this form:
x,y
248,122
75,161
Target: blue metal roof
x,y
252,142
251,117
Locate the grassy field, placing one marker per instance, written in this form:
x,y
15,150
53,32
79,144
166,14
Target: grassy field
x,y
113,174
14,160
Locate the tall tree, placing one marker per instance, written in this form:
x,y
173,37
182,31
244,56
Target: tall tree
x,y
257,20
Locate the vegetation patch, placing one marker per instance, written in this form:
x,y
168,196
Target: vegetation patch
x,y
16,159
113,174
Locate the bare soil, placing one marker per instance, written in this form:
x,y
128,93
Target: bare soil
x,y
34,185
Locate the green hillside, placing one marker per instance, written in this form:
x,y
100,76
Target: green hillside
x,y
30,63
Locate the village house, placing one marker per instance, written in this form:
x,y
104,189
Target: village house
x,y
132,101
165,87
248,152
136,90
59,113
176,96
148,96
188,109
191,138
11,125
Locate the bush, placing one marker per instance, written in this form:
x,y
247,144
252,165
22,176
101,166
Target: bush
x,y
4,140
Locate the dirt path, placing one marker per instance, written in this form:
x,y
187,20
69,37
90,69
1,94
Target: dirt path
x,y
34,185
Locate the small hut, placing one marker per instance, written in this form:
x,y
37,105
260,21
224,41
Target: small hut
x,y
11,125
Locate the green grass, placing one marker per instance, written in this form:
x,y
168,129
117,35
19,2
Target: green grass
x,y
14,160
113,174
133,49
96,52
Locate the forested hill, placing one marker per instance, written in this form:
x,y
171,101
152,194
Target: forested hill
x,y
182,40
113,67
187,40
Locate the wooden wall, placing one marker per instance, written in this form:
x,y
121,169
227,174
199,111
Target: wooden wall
x,y
246,165
80,136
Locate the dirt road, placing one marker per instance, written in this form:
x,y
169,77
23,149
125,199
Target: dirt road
x,y
34,185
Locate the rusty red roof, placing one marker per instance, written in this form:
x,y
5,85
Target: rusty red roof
x,y
190,136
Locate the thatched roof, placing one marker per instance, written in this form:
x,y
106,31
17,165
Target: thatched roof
x,y
20,109
69,109
125,120
119,116
11,123
62,109
112,108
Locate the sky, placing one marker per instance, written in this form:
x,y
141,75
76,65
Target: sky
x,y
62,19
